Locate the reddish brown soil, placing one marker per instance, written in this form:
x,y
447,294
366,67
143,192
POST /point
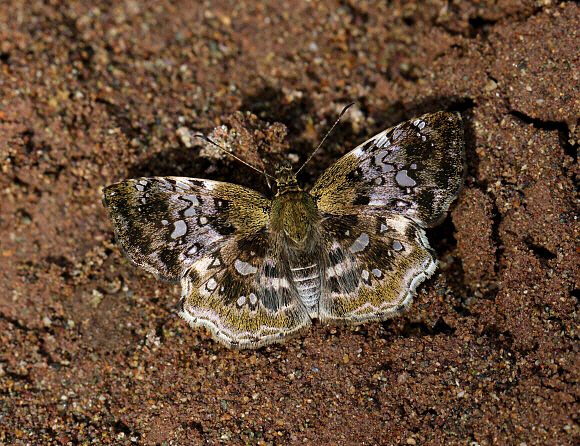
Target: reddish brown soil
x,y
92,350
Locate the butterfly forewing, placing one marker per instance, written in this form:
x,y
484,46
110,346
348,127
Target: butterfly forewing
x,y
165,224
414,169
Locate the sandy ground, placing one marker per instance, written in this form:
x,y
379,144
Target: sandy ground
x,y
92,351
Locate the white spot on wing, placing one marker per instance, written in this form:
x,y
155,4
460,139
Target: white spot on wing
x,y
244,268
382,140
211,284
419,124
404,180
360,243
179,229
253,299
379,157
141,185
192,198
194,202
182,185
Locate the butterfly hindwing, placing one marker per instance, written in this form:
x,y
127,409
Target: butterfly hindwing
x,y
165,224
414,169
243,292
372,267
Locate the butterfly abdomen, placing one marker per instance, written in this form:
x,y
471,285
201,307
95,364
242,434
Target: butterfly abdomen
x,y
307,281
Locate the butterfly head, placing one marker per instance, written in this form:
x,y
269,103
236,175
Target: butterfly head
x,y
286,179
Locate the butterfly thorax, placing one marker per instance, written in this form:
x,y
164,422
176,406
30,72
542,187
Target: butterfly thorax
x,y
294,212
295,215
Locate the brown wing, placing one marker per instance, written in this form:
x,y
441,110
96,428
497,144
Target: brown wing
x,y
373,267
166,224
244,294
414,169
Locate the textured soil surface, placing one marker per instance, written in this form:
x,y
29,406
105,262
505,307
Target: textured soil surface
x,y
92,350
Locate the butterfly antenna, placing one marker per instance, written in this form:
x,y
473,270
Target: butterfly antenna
x,y
206,139
326,136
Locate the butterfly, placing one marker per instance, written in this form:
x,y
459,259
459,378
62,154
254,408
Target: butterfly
x,y
255,271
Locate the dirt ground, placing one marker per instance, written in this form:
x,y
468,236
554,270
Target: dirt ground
x,y
92,350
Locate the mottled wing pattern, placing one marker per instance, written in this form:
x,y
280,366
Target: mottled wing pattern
x,y
166,224
372,266
243,292
251,279
414,169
